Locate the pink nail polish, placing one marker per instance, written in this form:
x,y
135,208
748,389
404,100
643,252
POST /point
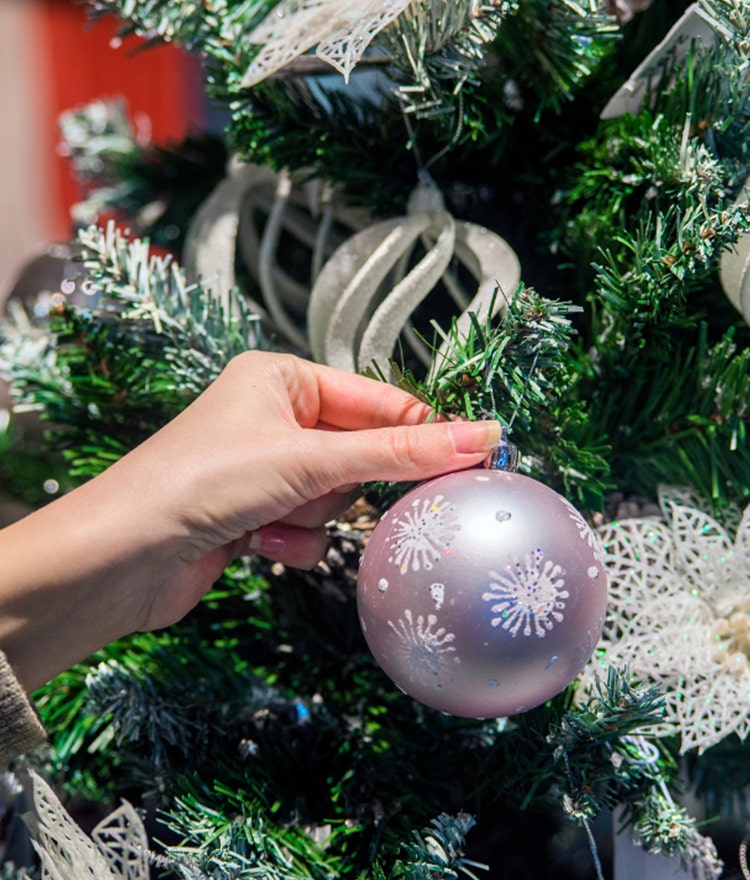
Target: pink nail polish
x,y
269,541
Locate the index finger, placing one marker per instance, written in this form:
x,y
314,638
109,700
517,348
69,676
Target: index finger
x,y
353,402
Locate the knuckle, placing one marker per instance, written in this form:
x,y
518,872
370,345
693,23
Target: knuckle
x,y
404,449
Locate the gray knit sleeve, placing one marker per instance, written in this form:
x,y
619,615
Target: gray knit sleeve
x,y
20,727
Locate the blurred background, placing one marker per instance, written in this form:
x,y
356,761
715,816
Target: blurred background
x,y
52,59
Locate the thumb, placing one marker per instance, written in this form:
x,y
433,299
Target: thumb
x,y
404,452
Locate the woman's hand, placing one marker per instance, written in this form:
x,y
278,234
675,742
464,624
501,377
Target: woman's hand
x,y
270,452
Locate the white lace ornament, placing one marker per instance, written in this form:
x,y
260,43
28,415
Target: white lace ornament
x,y
679,616
365,295
734,267
116,850
341,30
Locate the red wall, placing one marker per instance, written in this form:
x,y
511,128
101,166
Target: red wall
x,y
84,62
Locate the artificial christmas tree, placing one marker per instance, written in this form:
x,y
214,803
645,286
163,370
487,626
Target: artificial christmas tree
x,y
434,199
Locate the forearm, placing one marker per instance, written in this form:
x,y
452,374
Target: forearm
x,y
70,578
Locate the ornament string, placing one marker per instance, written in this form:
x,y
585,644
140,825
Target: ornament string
x,y
505,456
423,167
515,411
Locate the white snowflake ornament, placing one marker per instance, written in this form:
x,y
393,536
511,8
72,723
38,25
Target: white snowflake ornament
x,y
679,616
427,649
340,29
530,592
116,850
421,533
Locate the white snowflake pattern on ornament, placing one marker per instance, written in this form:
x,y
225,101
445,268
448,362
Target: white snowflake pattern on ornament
x,y
585,533
423,534
528,593
437,594
586,650
427,648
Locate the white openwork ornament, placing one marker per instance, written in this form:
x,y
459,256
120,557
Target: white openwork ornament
x,y
340,29
116,850
247,214
679,616
363,281
734,266
366,293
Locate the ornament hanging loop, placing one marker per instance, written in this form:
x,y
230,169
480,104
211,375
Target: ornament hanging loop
x,y
505,455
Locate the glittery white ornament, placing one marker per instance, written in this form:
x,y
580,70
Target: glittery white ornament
x,y
116,850
482,593
340,29
366,293
246,215
680,616
211,240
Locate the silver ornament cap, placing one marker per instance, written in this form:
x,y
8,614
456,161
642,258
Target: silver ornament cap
x,y
482,593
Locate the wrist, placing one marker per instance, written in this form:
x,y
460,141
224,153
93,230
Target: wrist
x,y
74,575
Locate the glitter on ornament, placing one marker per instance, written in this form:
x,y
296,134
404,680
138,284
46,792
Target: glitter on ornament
x,y
426,649
437,591
528,593
679,616
423,534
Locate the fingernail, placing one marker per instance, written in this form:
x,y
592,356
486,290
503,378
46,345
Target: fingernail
x,y
268,541
471,437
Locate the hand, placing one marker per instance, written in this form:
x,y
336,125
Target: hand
x,y
258,463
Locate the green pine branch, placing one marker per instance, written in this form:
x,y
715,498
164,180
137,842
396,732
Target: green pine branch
x,y
438,851
215,28
548,50
111,374
651,204
437,53
245,842
650,212
521,370
684,421
452,78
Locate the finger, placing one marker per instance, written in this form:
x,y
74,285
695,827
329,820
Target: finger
x,y
322,510
293,546
353,402
406,452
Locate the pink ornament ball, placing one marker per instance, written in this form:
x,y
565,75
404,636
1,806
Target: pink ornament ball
x,y
482,593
